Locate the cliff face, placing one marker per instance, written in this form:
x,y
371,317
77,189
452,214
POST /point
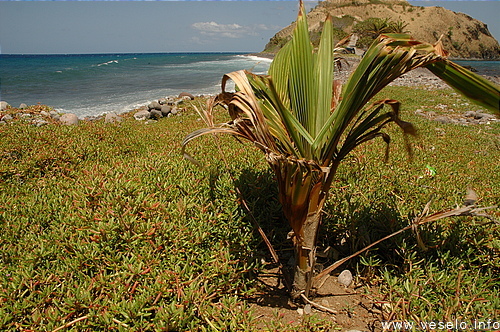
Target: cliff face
x,y
463,36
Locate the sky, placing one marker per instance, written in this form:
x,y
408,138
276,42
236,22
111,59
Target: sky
x,y
63,27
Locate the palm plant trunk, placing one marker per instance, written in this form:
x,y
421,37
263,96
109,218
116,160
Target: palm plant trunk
x,y
305,256
303,189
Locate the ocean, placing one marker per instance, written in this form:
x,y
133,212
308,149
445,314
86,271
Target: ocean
x,y
93,84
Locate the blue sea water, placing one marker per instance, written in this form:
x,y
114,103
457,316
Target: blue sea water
x,y
93,84
486,68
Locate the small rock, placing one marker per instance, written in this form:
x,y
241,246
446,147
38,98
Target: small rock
x,y
24,115
39,122
4,105
300,311
470,114
69,119
23,106
345,278
112,118
443,119
54,115
484,116
154,106
186,94
174,111
325,303
155,114
44,113
307,309
165,110
142,115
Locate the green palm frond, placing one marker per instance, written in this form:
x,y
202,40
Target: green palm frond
x,y
475,87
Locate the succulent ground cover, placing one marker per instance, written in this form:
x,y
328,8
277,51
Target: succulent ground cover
x,y
105,226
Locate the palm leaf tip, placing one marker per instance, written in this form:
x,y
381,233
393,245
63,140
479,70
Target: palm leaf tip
x,y
473,86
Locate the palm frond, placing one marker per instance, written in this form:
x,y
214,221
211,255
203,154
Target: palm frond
x,y
324,68
471,85
388,58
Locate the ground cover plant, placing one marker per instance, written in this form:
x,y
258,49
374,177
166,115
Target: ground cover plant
x,y
306,123
106,227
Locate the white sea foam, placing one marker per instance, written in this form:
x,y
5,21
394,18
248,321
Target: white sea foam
x,y
256,58
237,62
107,63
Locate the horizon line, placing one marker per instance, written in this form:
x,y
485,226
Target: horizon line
x,y
119,53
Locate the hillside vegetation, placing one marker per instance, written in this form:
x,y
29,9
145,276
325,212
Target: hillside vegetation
x,y
462,35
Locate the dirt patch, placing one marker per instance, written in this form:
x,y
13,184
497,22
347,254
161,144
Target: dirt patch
x,y
357,307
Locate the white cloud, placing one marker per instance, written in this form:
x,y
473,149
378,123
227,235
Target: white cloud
x,y
217,30
214,29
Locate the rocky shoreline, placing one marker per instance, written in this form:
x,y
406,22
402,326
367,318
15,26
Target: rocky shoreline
x,y
40,115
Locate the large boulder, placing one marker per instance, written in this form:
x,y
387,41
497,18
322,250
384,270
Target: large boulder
x,y
142,115
69,119
4,105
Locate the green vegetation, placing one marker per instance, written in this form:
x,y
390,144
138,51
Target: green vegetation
x,y
275,43
103,223
369,29
108,224
343,22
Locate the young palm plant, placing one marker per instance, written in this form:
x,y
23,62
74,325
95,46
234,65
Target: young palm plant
x,y
306,123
